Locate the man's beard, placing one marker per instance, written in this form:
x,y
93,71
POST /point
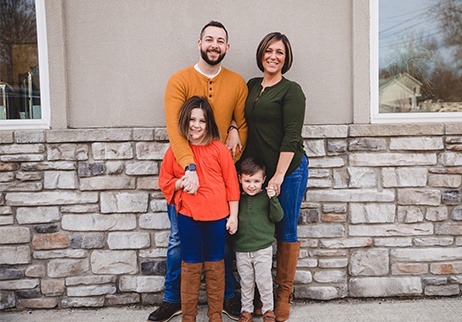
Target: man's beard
x,y
212,62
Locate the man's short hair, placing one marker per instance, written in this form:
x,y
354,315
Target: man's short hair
x,y
214,23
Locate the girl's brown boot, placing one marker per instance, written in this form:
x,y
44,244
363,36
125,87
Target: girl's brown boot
x,y
190,286
215,287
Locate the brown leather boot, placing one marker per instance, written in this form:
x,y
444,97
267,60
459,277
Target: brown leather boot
x,y
190,286
245,317
287,258
215,287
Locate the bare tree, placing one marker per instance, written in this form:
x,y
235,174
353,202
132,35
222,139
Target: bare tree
x,y
448,13
17,26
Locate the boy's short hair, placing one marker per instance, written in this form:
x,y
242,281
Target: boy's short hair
x,y
251,165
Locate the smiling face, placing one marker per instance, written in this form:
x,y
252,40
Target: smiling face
x,y
197,126
274,57
252,184
213,45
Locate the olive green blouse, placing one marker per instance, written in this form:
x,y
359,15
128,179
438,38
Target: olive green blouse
x,y
275,119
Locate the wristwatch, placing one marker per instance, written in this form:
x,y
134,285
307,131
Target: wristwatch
x,y
190,167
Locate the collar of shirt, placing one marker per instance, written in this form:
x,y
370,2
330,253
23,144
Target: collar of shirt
x,y
196,67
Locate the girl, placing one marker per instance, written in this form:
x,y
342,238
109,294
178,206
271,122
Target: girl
x,y
202,217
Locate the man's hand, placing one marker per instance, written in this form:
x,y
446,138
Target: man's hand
x,y
191,182
233,142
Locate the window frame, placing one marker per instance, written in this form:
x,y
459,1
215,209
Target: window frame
x,y
42,47
376,116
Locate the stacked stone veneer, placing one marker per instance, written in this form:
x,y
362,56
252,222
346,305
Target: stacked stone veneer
x,y
83,222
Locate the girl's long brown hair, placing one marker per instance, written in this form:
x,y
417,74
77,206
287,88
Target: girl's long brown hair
x,y
211,129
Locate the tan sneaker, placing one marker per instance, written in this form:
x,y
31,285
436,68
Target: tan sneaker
x,y
245,317
269,316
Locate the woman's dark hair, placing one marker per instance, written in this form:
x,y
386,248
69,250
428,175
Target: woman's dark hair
x,y
267,41
211,130
251,165
214,24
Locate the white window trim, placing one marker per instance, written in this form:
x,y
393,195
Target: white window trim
x,y
44,122
377,117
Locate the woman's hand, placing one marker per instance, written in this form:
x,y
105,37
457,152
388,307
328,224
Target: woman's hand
x,y
233,142
283,164
270,192
275,183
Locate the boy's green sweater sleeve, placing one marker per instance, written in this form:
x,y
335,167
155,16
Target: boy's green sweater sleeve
x,y
275,212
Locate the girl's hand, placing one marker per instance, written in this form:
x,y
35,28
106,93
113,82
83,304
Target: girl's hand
x,y
275,183
231,225
190,182
179,184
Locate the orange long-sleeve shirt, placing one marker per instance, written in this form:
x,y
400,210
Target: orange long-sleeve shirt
x,y
219,184
226,93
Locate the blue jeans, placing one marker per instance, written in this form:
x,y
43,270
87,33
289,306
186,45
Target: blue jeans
x,y
292,191
202,241
172,277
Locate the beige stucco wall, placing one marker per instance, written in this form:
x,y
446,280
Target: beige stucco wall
x,y
117,55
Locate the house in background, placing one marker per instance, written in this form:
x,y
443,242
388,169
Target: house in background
x,y
399,94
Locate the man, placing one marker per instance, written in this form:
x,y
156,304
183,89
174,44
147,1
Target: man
x,y
226,91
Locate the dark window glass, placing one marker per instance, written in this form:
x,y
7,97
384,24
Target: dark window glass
x,y
19,67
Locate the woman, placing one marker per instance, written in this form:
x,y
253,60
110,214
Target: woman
x,y
275,111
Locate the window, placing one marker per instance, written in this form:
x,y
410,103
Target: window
x,y
416,60
24,89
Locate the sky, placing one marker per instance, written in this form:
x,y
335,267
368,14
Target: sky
x,y
398,19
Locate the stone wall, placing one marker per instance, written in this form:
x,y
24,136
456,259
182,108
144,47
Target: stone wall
x,y
84,224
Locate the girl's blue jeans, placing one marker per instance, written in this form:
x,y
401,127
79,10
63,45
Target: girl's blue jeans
x,y
173,277
202,241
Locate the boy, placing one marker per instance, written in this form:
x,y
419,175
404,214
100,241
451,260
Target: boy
x,y
258,211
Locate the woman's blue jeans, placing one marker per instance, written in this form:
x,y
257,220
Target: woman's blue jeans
x,y
293,189
173,277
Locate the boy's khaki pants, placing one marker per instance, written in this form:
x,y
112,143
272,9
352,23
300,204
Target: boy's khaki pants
x,y
255,268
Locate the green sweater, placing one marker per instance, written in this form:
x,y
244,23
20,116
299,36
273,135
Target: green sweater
x,y
257,215
275,121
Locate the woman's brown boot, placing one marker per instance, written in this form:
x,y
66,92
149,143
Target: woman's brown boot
x,y
190,285
215,287
287,258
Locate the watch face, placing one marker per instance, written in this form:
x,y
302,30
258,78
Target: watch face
x,y
191,167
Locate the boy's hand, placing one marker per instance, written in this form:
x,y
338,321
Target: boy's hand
x,y
271,192
231,225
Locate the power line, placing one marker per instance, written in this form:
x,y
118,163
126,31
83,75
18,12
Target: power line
x,y
403,24
422,10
